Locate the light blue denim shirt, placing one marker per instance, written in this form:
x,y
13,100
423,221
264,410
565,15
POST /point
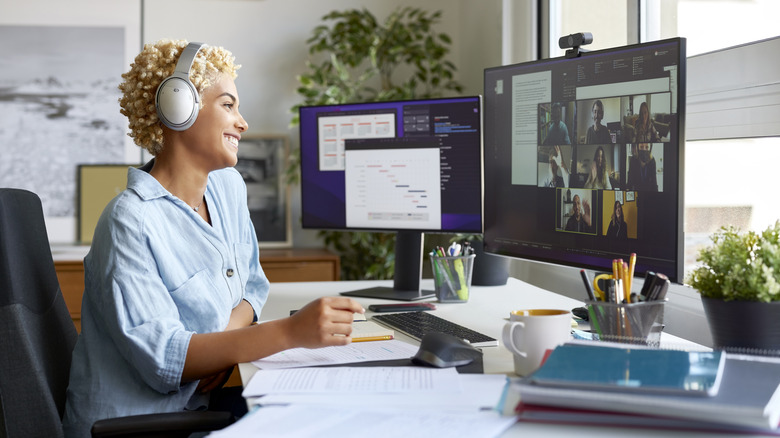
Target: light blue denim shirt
x,y
156,274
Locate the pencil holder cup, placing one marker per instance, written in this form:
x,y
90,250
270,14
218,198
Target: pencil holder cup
x,y
634,323
452,278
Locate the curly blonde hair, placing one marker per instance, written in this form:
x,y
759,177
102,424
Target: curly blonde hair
x,y
156,62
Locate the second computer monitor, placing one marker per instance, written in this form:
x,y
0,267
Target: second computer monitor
x,y
408,167
584,158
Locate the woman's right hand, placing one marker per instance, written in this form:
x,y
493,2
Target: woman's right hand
x,y
324,322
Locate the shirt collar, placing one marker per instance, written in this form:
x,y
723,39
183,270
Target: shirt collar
x,y
145,185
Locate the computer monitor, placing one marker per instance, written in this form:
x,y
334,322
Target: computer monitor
x,y
575,173
409,167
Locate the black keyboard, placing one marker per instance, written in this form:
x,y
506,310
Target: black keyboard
x,y
416,324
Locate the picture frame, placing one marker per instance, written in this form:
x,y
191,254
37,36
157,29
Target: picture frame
x,y
629,196
60,75
97,185
261,162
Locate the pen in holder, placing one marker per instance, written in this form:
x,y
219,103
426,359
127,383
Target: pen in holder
x,y
452,277
630,323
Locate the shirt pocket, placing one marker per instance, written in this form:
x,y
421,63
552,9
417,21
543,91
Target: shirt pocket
x,y
244,254
201,308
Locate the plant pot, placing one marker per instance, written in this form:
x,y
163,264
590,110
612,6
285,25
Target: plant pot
x,y
489,270
743,325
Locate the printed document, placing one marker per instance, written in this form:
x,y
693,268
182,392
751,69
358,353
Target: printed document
x,y
479,392
355,352
305,421
353,380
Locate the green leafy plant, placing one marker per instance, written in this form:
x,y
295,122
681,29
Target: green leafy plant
x,y
461,237
356,58
742,266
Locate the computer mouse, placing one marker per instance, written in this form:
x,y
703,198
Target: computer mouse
x,y
581,313
442,350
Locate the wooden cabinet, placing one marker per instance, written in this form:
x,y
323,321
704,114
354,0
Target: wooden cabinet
x,y
289,265
70,274
280,265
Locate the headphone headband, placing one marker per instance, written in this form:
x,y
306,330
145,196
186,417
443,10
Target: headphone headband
x,y
187,57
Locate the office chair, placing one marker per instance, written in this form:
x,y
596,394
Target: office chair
x,y
37,336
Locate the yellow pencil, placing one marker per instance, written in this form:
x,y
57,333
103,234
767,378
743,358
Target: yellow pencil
x,y
631,267
373,338
626,283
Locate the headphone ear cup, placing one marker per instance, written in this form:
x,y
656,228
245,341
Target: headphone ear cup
x,y
177,103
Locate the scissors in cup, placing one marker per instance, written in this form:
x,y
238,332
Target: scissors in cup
x,y
601,294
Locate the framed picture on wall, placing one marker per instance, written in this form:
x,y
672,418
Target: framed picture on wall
x,y
97,184
261,162
61,65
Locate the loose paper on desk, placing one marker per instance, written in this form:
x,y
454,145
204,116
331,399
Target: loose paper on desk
x,y
353,380
304,421
479,392
356,352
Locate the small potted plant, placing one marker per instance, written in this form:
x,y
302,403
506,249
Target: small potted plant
x,y
739,283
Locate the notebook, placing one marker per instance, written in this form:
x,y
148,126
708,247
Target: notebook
x,y
627,369
370,331
589,417
749,396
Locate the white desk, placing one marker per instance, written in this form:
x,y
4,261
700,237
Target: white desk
x,y
487,311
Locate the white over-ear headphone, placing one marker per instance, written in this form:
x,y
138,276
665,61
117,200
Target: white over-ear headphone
x,y
177,99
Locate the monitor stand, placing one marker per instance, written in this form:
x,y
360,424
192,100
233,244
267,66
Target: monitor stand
x,y
408,271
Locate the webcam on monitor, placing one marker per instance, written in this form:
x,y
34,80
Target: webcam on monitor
x,y
573,43
575,40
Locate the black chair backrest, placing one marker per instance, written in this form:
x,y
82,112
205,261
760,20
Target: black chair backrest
x,y
37,334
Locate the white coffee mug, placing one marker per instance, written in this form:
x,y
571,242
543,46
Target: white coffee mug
x,y
530,333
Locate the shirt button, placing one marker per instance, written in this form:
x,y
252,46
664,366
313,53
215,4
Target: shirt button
x,y
229,272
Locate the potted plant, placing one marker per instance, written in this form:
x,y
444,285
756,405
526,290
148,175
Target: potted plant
x,y
356,59
739,283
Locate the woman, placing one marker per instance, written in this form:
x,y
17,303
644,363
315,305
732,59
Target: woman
x,y
644,128
172,280
599,177
617,225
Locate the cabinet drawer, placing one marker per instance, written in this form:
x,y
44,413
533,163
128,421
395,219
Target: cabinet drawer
x,y
71,278
282,272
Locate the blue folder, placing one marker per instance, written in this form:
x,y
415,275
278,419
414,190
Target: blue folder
x,y
632,369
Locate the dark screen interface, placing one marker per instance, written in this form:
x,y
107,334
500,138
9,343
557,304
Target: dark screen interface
x,y
583,158
401,165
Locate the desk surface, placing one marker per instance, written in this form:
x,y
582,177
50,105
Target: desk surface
x,y
487,311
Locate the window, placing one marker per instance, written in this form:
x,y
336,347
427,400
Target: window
x,y
727,181
606,20
725,23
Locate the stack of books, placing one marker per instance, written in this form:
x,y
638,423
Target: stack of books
x,y
605,384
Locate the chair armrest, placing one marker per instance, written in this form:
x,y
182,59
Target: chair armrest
x,y
170,424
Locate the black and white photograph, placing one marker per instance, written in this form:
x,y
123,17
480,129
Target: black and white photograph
x,y
261,161
58,97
